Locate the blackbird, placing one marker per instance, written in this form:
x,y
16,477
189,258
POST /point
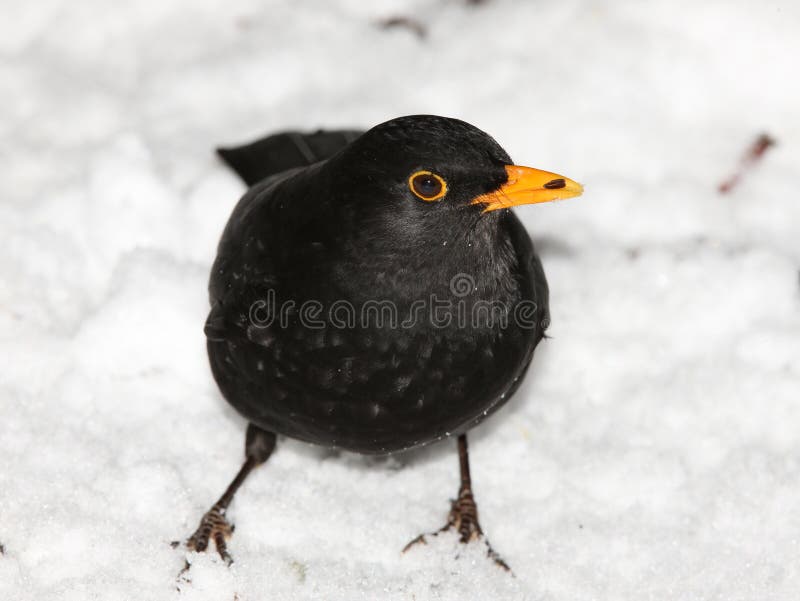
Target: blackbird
x,y
373,292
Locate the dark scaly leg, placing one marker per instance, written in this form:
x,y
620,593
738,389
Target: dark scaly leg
x,y
259,445
463,517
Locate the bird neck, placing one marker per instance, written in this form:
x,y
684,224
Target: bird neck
x,y
474,259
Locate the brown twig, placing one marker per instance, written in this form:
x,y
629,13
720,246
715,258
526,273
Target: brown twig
x,y
753,155
405,22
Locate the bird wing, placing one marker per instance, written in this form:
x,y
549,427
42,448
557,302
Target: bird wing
x,y
287,150
242,272
529,262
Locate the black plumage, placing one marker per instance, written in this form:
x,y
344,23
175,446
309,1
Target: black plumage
x,y
344,230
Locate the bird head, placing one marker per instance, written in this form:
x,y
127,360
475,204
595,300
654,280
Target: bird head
x,y
424,166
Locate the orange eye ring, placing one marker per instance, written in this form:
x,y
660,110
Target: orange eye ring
x,y
427,186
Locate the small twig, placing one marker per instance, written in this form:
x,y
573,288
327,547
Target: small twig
x,y
753,155
405,22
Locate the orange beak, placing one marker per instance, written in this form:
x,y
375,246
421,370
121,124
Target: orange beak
x,y
528,186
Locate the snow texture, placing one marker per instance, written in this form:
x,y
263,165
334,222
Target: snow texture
x,y
654,450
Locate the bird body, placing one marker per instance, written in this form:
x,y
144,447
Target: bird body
x,y
371,371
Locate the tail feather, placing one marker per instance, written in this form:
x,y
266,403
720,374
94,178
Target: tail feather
x,y
279,152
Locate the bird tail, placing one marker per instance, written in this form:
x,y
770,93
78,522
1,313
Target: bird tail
x,y
280,152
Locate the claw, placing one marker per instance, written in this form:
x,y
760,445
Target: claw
x,y
214,526
259,445
463,518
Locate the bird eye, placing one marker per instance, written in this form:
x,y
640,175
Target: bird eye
x,y
427,186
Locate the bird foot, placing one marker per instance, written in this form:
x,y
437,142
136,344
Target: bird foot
x,y
463,519
213,526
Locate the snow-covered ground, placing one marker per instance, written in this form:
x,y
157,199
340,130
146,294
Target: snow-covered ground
x,y
654,452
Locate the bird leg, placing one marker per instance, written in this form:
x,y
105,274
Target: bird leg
x,y
463,517
259,445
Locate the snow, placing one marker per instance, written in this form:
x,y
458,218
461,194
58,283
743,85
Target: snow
x,y
653,452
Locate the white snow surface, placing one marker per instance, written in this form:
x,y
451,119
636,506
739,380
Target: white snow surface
x,y
654,450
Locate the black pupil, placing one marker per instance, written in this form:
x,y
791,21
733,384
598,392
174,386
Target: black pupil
x,y
427,185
